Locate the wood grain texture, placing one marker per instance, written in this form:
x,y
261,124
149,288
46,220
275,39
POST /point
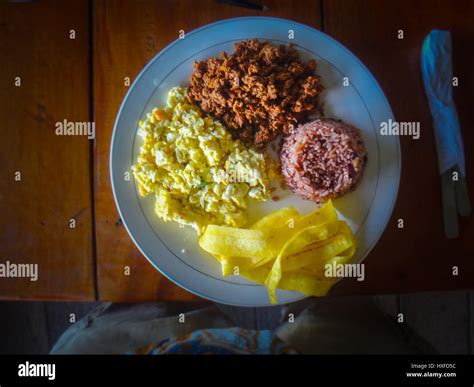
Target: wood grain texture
x,y
418,257
55,185
126,36
55,170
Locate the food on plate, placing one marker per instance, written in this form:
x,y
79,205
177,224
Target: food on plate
x,y
201,160
258,91
263,241
323,159
284,249
197,172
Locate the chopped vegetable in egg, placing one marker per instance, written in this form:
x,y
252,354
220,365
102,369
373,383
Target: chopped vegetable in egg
x,y
198,173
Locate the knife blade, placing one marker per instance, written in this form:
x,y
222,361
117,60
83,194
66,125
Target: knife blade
x,y
463,203
448,198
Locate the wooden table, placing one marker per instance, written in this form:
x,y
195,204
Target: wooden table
x,y
46,77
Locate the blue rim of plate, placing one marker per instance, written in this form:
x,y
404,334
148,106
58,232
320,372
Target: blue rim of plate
x,y
177,41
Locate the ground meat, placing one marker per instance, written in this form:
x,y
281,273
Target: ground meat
x,y
258,92
323,159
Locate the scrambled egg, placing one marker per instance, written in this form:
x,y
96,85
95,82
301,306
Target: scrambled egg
x,y
199,174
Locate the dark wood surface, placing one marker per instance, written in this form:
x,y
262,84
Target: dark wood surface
x,y
74,79
418,257
55,170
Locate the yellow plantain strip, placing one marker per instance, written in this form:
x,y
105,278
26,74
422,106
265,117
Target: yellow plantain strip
x,y
283,216
229,241
314,236
284,249
317,253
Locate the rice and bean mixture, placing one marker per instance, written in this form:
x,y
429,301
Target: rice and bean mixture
x,y
323,159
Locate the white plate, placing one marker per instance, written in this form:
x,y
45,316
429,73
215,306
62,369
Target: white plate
x,y
174,251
